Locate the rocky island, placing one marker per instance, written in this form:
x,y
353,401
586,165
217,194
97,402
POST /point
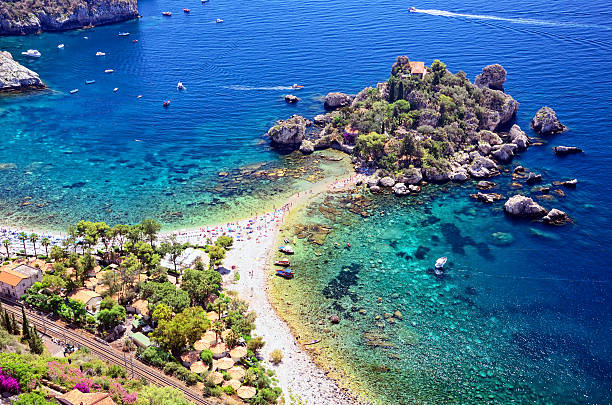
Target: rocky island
x,y
15,77
18,17
425,125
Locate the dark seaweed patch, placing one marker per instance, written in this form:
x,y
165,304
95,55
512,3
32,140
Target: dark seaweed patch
x,y
339,287
421,252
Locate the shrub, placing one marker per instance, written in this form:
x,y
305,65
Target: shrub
x,y
206,356
171,368
255,344
276,356
228,390
156,357
115,371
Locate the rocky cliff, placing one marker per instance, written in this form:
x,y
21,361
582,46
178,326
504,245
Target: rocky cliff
x,y
31,16
14,77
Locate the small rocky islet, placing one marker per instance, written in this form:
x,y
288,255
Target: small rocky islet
x,y
15,77
428,125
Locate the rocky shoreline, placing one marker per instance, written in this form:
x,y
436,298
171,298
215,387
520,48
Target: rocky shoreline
x,y
15,77
430,127
20,17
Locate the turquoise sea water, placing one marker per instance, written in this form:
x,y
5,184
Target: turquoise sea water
x,y
532,316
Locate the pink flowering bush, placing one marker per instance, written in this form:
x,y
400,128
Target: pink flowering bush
x,y
85,385
8,383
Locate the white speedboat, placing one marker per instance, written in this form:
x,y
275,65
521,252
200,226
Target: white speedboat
x,y
180,86
74,91
440,263
32,53
219,20
60,46
412,10
100,53
109,71
124,34
115,89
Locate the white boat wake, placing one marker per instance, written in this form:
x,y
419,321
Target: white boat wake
x,y
252,88
526,21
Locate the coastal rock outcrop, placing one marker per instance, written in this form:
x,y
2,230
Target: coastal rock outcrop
x,y
19,17
15,77
411,175
289,133
336,100
307,147
523,207
482,167
504,153
518,137
545,122
566,150
387,181
435,174
400,189
492,76
500,109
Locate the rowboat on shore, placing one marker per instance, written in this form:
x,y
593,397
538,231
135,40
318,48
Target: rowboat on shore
x,y
285,273
286,249
283,263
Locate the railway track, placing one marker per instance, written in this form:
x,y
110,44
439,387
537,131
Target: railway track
x,y
104,351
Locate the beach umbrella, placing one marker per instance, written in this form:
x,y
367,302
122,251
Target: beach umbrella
x,y
209,336
215,377
219,350
237,373
198,367
212,316
235,384
246,392
225,363
238,353
201,345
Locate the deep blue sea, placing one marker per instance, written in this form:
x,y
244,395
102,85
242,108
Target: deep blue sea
x,y
525,322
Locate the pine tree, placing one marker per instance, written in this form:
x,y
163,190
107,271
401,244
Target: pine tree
x,y
14,327
7,322
25,326
35,342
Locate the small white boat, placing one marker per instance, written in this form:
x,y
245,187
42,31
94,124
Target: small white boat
x,y
441,262
74,91
115,89
412,10
124,34
100,53
60,46
85,37
109,71
32,53
180,86
219,20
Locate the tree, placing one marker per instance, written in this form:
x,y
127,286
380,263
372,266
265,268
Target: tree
x,y
224,241
14,327
165,293
35,342
182,330
46,242
173,248
111,314
218,327
200,284
112,280
222,304
150,228
162,313
34,239
54,282
120,232
25,325
371,146
7,244
128,270
57,253
154,395
23,237
438,69
7,322
147,256
216,255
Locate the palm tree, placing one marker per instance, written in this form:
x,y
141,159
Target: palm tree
x,y
23,237
7,244
33,239
46,242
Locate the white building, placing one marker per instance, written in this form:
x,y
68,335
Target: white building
x,y
14,282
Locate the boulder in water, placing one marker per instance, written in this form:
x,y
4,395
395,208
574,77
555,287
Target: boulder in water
x,y
336,100
15,77
289,133
306,147
523,207
545,122
566,150
555,217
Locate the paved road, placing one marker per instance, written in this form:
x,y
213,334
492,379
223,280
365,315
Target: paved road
x,y
104,351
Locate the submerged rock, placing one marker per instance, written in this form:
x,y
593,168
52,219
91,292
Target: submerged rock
x,y
502,238
15,77
488,198
485,185
523,207
555,217
533,178
545,122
